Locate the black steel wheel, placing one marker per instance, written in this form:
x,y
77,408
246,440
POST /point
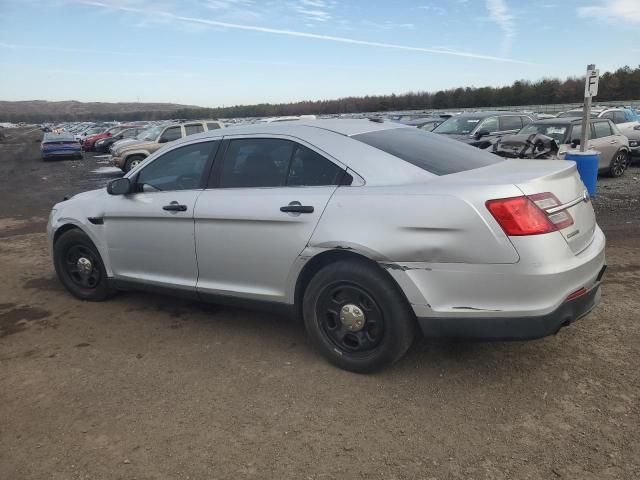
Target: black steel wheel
x,y
79,266
619,164
350,317
357,316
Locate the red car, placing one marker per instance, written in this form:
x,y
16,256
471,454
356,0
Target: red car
x,y
88,144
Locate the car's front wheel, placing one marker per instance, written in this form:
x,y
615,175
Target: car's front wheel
x,y
619,164
133,162
79,266
357,317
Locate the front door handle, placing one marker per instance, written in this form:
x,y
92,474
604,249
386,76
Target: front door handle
x,y
297,207
175,207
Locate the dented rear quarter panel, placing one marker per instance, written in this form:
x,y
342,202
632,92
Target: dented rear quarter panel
x,y
422,223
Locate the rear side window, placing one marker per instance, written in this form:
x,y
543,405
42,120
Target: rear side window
x,y
619,117
193,129
601,129
311,169
510,123
431,152
213,126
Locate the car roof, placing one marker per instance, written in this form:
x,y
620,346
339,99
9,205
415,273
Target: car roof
x,y
565,121
489,113
422,120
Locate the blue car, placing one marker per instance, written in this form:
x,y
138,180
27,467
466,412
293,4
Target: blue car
x,y
60,145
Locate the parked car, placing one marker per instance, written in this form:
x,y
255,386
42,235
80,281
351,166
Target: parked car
x,y
426,123
88,143
88,132
131,155
480,129
56,145
604,137
623,118
366,229
129,132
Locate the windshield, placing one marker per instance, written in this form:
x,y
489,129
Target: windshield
x,y
458,125
150,134
433,153
557,132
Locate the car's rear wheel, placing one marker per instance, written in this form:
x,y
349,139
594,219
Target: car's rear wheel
x,y
133,162
357,317
619,164
79,266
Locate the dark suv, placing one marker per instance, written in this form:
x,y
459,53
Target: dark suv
x,y
480,129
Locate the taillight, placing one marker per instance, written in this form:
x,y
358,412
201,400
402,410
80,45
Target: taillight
x,y
562,219
524,215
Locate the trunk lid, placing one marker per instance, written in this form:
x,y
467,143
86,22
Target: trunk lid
x,y
566,185
532,177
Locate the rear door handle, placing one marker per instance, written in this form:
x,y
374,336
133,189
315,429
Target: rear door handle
x,y
613,142
297,207
175,207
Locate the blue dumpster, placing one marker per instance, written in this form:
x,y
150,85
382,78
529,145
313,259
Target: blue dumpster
x,y
587,163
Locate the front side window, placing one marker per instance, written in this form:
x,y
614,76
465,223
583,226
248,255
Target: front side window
x,y
601,129
490,124
178,169
171,134
213,126
309,168
256,162
510,123
192,129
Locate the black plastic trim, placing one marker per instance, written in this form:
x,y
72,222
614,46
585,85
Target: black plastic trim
x,y
511,328
228,300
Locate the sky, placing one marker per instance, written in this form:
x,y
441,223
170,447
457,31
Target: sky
x,y
229,52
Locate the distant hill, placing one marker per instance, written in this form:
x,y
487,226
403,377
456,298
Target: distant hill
x,y
42,110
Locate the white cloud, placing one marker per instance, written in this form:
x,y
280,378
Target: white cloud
x,y
314,10
499,13
293,33
613,10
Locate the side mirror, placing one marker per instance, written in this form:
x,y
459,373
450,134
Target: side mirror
x,y
163,140
575,142
119,186
482,133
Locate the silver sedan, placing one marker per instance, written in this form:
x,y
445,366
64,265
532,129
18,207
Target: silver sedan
x,y
369,231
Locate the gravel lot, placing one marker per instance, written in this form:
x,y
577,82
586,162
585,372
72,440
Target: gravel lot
x,y
150,387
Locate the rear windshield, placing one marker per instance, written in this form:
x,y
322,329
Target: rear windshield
x,y
434,153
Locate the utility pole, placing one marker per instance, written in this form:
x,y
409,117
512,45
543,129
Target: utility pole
x,y
590,91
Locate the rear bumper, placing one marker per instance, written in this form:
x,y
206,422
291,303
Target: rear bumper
x,y
512,328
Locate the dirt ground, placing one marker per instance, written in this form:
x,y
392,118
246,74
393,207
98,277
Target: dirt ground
x,y
150,387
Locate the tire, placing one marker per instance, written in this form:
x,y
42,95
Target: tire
x,y
619,164
132,162
375,334
87,282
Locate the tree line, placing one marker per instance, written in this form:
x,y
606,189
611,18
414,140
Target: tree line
x,y
621,85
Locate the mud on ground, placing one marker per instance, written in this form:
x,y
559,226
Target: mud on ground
x,y
150,387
